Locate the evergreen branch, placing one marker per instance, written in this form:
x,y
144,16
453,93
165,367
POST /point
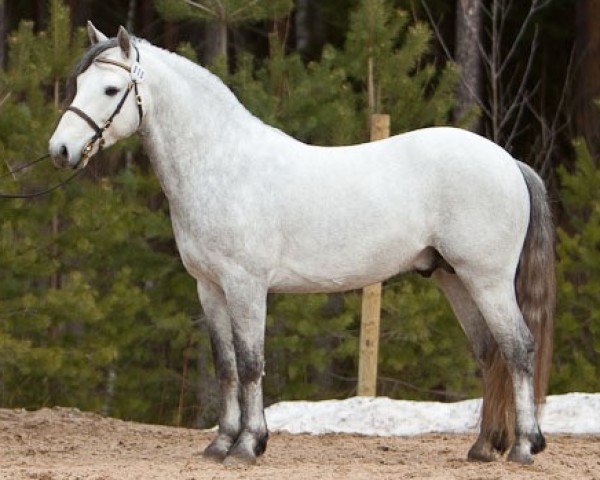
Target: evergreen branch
x,y
245,7
5,98
204,8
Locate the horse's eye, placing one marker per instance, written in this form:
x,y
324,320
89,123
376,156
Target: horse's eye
x,y
111,91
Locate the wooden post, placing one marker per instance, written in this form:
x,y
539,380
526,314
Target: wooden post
x,y
371,302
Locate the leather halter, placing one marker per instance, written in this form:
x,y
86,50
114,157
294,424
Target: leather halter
x,y
137,73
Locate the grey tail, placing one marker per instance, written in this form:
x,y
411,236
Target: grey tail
x,y
535,285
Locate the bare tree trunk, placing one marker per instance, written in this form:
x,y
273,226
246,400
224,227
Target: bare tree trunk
x,y
301,24
130,23
3,33
109,392
588,72
170,35
468,57
215,41
81,11
41,14
310,28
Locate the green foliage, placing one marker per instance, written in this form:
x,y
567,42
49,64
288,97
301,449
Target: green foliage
x,y
95,308
326,102
229,11
577,344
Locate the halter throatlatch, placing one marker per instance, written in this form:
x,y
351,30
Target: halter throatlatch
x,y
137,75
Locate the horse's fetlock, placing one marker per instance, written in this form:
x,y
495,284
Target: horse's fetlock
x,y
538,442
251,370
261,443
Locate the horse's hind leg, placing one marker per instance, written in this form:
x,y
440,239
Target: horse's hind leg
x,y
496,299
493,435
221,336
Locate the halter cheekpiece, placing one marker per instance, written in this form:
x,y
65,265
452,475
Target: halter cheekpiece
x,y
136,73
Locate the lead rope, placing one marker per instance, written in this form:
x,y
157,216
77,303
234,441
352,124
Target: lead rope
x,y
41,192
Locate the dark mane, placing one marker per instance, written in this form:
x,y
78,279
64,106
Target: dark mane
x,y
84,64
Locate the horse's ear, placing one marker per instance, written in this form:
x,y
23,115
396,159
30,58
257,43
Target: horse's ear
x,y
94,34
124,41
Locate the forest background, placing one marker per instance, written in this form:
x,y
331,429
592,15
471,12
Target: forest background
x,y
96,310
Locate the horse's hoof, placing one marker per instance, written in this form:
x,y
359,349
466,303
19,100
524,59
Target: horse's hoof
x,y
213,455
481,455
520,453
247,447
236,460
217,449
482,450
519,457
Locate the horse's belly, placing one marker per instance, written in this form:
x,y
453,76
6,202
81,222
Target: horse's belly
x,y
335,270
285,281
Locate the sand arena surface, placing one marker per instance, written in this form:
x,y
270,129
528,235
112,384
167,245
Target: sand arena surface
x,y
60,444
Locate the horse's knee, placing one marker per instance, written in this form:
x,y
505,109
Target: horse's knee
x,y
250,365
519,353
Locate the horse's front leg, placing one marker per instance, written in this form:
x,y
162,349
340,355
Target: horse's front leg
x,y
246,303
221,336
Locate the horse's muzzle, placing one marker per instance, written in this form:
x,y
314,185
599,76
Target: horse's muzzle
x,y
62,157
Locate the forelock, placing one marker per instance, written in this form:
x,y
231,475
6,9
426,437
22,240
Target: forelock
x,y
84,63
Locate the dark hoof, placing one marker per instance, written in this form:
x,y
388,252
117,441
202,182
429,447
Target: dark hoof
x,y
261,444
538,442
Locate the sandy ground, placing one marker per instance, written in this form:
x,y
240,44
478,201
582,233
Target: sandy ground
x,y
57,444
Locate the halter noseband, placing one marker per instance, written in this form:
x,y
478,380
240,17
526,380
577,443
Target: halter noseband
x,y
137,75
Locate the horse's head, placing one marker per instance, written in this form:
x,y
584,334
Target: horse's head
x,y
105,104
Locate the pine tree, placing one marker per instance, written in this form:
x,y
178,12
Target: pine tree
x,y
95,313
222,15
577,348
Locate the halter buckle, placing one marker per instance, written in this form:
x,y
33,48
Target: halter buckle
x,y
87,149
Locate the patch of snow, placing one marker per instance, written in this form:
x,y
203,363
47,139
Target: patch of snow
x,y
576,413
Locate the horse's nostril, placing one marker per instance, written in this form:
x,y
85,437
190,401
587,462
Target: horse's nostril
x,y
64,152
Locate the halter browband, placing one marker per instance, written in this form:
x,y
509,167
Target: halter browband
x,y
136,77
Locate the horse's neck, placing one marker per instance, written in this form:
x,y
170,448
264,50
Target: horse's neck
x,y
194,118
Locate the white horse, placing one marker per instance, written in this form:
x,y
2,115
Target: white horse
x,y
256,211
